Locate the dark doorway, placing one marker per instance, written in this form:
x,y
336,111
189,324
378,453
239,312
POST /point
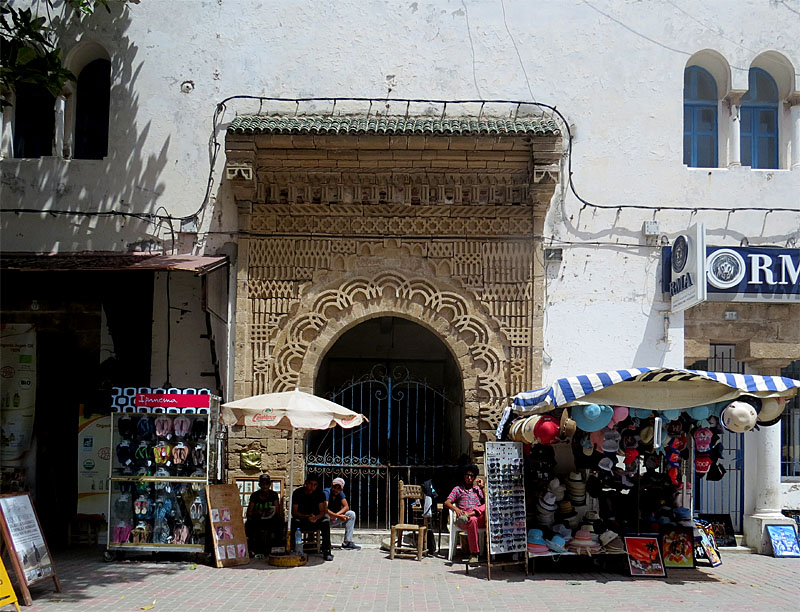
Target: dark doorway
x,y
406,382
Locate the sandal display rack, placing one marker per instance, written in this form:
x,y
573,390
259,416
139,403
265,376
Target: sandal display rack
x,y
159,469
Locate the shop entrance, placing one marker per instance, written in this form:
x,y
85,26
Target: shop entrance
x,y
404,380
724,496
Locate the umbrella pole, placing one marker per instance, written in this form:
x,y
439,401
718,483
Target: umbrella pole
x,y
291,490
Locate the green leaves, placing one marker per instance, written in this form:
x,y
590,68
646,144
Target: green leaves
x,y
29,50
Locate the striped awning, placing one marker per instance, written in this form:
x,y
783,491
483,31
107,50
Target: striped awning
x,y
653,389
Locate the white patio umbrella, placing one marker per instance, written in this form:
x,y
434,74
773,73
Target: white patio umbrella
x,y
289,410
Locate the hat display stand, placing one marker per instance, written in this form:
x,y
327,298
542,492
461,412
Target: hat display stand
x,y
638,467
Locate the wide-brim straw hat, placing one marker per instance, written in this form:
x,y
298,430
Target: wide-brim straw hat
x,y
739,417
567,426
528,427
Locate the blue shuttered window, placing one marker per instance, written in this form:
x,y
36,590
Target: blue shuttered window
x,y
759,121
699,118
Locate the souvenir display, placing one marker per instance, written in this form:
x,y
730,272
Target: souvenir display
x,y
505,492
159,471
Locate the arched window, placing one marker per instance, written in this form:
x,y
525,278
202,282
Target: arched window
x,y
759,121
91,110
34,121
699,118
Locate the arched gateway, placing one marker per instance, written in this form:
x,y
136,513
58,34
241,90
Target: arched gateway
x,y
347,234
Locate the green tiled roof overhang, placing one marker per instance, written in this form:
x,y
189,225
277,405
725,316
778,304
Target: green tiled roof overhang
x,y
392,126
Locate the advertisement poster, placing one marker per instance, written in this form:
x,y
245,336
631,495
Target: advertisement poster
x,y
26,537
17,390
94,457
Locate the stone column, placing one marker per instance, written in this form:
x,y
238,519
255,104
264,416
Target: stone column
x,y
795,118
734,132
767,442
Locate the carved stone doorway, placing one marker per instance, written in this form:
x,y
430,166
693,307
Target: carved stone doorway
x,y
404,379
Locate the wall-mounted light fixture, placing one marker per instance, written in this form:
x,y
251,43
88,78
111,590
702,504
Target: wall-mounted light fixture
x,y
553,255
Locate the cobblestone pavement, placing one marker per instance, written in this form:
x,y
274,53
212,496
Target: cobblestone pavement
x,y
368,580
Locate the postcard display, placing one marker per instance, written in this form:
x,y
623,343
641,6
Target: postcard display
x,y
505,505
159,470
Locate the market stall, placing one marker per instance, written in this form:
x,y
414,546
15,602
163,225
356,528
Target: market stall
x,y
160,465
614,455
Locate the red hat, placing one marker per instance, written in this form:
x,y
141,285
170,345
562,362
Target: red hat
x,y
546,430
702,463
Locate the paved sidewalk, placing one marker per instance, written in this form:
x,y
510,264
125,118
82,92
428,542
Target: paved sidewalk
x,y
368,580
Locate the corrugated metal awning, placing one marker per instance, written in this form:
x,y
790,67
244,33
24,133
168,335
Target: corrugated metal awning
x,y
59,262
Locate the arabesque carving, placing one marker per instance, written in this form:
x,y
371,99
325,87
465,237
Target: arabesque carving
x,y
451,312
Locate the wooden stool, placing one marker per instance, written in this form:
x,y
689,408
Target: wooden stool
x,y
312,541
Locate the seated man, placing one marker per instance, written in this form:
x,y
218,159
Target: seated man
x,y
339,512
264,517
309,513
469,504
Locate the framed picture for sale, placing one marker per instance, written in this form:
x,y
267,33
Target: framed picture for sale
x,y
677,545
644,556
723,528
784,540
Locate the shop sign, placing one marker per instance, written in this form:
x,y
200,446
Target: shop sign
x,y
686,285
753,274
173,400
17,390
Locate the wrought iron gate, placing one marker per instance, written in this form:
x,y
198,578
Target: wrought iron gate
x,y
725,496
414,433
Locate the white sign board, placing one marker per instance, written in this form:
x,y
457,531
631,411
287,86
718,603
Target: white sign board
x,y
687,262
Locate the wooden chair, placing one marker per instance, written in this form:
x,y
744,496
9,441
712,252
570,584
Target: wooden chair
x,y
396,547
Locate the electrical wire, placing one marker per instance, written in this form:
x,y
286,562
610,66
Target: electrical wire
x,y
215,147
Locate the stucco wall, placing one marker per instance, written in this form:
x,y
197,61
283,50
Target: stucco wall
x,y
615,71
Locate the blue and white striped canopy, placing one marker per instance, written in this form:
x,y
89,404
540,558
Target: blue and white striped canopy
x,y
653,389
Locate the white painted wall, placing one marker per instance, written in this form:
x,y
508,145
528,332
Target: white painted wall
x,y
615,69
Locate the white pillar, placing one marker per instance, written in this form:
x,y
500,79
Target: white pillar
x,y
58,148
768,470
767,483
734,132
795,116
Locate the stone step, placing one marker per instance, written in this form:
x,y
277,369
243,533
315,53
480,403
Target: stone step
x,y
369,538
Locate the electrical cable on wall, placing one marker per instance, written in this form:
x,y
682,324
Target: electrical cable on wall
x,y
215,146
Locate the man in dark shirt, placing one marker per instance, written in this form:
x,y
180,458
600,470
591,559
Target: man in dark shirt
x,y
309,513
264,517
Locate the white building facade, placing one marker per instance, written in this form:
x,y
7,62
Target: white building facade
x,y
642,120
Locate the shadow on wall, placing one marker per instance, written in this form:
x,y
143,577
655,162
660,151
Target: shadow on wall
x,y
126,181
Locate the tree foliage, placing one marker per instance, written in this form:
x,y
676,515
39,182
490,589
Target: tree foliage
x,y
29,51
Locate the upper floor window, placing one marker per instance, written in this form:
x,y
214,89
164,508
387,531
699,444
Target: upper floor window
x,y
34,121
699,118
91,110
759,121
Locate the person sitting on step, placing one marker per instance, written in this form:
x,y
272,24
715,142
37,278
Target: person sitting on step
x,y
340,513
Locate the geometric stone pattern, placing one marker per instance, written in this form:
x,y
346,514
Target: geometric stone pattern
x,y
441,231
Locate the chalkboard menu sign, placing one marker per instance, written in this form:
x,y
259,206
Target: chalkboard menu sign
x,y
505,497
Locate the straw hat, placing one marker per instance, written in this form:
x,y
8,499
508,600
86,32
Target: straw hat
x,y
739,417
771,410
514,432
567,426
527,428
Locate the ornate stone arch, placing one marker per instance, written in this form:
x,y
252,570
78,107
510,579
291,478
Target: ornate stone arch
x,y
452,313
